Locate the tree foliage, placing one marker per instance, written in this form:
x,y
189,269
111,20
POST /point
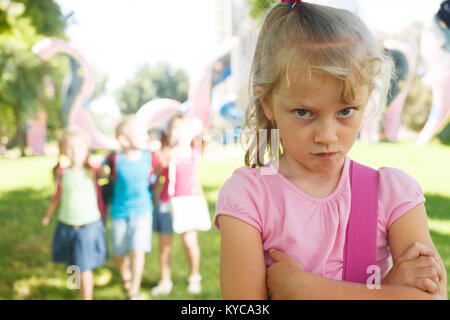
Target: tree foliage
x,y
44,15
258,8
23,90
149,83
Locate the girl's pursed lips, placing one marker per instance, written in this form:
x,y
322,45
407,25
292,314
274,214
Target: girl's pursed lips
x,y
325,154
319,153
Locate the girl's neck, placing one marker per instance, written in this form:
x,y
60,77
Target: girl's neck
x,y
132,154
76,167
181,150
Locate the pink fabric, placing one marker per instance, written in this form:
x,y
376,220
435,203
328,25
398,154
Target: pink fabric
x,y
309,229
186,181
360,249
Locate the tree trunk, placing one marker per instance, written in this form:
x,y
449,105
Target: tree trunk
x,y
20,138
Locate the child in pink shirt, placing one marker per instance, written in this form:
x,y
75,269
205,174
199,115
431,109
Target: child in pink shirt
x,y
283,223
176,147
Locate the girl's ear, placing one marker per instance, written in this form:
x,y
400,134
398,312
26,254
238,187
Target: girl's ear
x,y
123,140
260,90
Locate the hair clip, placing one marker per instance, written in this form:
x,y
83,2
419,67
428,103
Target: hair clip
x,y
291,4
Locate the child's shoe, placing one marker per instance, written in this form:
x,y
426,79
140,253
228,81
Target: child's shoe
x,y
164,287
194,286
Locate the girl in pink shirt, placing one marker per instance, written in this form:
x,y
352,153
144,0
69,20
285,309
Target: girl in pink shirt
x,y
283,222
176,146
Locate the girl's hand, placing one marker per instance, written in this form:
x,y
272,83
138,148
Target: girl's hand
x,y
418,267
46,221
284,277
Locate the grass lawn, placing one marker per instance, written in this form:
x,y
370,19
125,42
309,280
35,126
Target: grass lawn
x,y
26,270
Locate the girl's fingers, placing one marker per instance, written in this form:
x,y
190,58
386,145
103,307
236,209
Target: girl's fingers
x,y
427,285
416,250
430,273
429,263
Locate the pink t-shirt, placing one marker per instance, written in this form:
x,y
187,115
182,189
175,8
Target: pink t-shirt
x,y
312,230
186,180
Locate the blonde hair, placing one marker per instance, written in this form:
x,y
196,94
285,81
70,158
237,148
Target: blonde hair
x,y
124,126
314,39
67,135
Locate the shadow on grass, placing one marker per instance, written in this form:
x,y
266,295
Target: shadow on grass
x,y
27,271
438,206
441,242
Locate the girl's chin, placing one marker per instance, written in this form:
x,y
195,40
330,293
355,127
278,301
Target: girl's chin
x,y
328,164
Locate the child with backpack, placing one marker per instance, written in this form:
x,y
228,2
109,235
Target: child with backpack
x,y
311,223
131,205
177,164
79,239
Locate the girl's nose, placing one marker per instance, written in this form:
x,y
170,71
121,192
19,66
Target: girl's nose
x,y
325,133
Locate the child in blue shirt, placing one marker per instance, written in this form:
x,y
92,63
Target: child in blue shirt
x,y
131,205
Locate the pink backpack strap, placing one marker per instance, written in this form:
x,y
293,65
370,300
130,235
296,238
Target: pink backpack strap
x,y
361,235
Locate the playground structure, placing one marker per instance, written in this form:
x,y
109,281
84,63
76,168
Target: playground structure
x,y
437,64
79,93
76,102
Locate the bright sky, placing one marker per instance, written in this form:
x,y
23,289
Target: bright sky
x,y
117,36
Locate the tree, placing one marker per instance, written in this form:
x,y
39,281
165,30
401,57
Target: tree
x,y
44,15
149,83
258,8
22,73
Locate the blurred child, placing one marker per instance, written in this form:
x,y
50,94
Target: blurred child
x,y
176,146
131,205
79,237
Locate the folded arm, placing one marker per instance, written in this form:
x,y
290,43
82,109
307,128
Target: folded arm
x,y
242,266
288,280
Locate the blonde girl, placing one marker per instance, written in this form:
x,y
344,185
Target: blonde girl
x,y
79,239
283,222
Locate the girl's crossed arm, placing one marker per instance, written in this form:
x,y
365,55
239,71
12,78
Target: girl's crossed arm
x,y
242,266
287,279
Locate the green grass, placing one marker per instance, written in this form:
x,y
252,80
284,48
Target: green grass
x,y
26,270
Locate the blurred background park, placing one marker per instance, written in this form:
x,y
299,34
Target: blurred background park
x,y
89,63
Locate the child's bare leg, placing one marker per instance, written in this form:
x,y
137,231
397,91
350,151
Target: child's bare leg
x,y
165,244
137,268
123,264
87,285
193,251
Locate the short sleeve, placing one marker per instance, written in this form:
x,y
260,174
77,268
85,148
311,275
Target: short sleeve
x,y
399,193
239,198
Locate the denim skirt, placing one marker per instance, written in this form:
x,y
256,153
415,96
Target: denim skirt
x,y
162,221
84,247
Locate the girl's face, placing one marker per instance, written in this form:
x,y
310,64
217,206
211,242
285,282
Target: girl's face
x,y
77,150
177,131
315,126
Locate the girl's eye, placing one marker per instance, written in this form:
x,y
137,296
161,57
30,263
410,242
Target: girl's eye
x,y
347,112
302,113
